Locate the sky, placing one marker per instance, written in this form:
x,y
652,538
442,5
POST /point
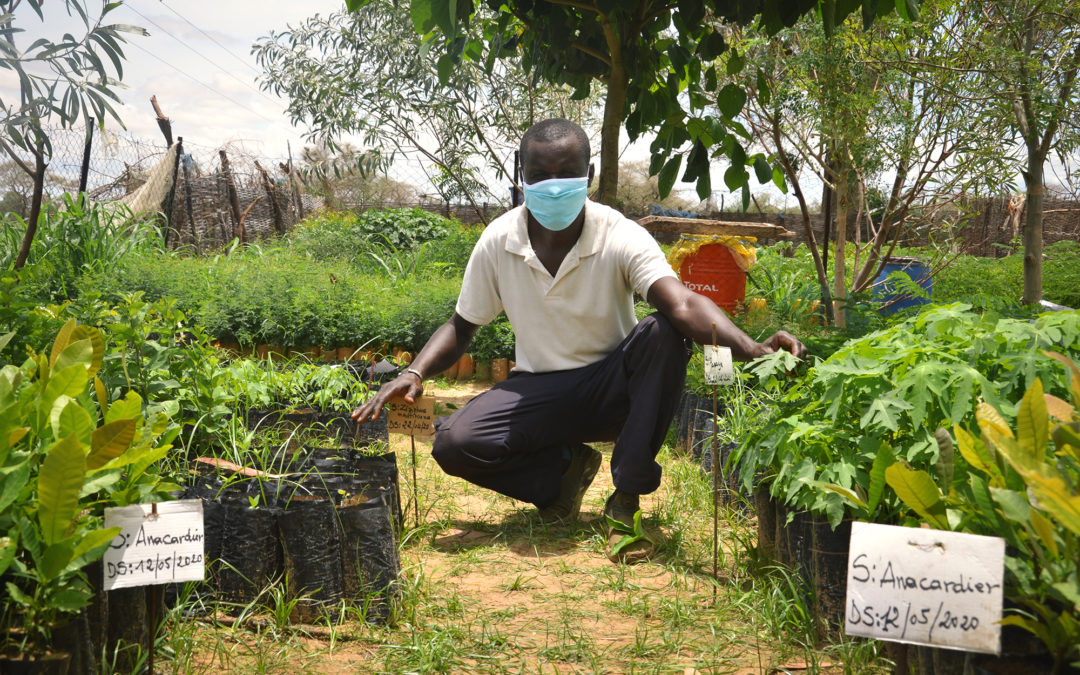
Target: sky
x,y
197,62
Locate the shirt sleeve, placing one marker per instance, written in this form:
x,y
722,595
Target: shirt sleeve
x,y
645,262
479,301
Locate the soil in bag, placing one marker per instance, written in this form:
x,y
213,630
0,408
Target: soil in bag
x,y
311,541
369,551
251,557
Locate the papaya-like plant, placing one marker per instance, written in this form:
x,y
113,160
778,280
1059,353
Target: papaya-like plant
x,y
1021,485
66,452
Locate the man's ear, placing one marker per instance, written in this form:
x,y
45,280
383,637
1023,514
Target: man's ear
x,y
590,174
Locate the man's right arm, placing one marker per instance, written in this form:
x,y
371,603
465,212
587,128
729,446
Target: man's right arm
x,y
443,348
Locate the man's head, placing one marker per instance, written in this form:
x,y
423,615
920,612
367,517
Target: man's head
x,y
555,148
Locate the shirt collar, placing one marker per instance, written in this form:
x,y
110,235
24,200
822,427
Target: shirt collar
x,y
588,243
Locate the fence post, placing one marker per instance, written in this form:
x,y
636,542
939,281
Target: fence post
x,y
190,208
84,170
234,199
275,208
294,186
168,206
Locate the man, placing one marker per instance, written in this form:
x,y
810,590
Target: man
x,y
565,270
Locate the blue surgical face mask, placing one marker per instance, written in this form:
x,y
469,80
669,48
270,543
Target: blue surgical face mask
x,y
556,202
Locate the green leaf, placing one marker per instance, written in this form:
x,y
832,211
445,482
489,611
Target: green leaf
x,y
4,340
67,382
735,63
730,100
1045,529
71,599
666,179
63,339
8,547
61,478
73,419
778,179
78,352
129,406
109,442
883,460
1013,504
1033,422
93,545
445,68
762,169
13,484
56,558
919,492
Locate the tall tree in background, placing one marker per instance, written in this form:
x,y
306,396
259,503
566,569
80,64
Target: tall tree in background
x,y
369,74
1025,57
60,81
649,55
862,113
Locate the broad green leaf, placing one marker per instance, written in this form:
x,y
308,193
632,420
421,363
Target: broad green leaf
x,y
4,340
1067,438
1045,529
730,100
13,484
56,558
882,461
129,406
1033,422
92,541
919,492
79,352
666,179
102,396
61,478
882,413
980,492
762,169
990,419
71,599
63,339
67,382
97,343
975,453
845,493
945,458
8,547
73,419
1057,499
109,442
1013,504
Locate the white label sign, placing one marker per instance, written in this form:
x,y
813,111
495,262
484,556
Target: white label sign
x,y
155,549
926,587
718,366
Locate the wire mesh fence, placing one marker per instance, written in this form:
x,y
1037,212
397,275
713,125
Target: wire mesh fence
x,y
221,193
216,194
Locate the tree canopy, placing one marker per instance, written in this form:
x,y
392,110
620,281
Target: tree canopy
x,y
655,58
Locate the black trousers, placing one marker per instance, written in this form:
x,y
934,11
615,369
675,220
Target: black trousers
x,y
510,439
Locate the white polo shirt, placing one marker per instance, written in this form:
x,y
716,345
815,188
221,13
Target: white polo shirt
x,y
582,313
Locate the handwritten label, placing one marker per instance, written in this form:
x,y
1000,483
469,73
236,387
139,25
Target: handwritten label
x,y
926,587
155,549
718,366
412,420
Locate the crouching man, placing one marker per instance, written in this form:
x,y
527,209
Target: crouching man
x,y
565,270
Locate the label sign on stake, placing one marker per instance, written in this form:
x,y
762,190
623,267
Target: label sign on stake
x,y
718,366
158,544
416,420
926,587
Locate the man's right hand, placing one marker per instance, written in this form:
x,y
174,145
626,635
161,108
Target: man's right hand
x,y
407,385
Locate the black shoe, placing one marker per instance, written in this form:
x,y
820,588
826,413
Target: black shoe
x,y
584,463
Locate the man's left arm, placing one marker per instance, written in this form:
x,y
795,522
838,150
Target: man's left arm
x,y
693,315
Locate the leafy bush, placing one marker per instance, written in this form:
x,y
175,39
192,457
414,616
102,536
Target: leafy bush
x,y
998,283
895,387
494,341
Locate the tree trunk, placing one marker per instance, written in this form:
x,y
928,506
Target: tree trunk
x,y
608,187
839,260
35,207
1033,229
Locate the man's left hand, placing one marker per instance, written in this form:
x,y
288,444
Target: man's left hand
x,y
783,340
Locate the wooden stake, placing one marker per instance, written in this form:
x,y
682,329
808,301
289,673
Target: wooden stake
x,y
415,491
715,487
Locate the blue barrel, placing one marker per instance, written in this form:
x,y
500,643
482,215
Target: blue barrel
x,y
885,291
